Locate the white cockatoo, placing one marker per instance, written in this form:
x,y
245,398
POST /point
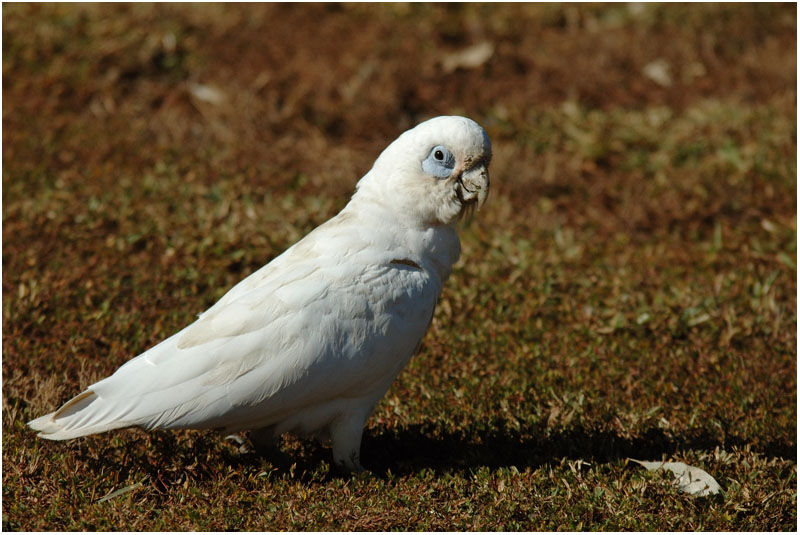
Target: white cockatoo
x,y
310,342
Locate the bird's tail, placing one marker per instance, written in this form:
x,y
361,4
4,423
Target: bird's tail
x,y
76,418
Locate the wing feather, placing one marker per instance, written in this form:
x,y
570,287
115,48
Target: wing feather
x,y
299,332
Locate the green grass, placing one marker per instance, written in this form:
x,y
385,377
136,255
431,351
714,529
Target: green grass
x,y
629,291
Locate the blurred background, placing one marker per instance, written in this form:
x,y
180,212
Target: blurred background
x,y
629,288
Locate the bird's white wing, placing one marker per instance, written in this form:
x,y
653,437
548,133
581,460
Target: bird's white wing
x,y
305,330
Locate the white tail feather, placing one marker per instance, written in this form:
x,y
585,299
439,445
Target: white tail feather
x,y
64,423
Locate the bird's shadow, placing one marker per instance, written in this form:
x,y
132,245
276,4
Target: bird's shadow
x,y
401,451
411,449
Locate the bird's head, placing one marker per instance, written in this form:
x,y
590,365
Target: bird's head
x,y
432,174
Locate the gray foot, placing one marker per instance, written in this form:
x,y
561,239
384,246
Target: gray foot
x,y
239,441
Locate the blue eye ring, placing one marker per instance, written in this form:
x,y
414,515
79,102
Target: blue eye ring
x,y
440,162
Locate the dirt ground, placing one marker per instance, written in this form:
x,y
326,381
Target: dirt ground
x,y
630,289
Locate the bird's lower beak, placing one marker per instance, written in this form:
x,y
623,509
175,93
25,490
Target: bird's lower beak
x,y
473,186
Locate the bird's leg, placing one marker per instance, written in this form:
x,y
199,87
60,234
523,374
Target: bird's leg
x,y
345,434
265,441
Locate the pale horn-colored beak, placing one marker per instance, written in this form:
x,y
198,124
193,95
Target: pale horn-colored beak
x,y
473,186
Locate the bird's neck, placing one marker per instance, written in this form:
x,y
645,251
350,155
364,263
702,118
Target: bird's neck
x,y
435,246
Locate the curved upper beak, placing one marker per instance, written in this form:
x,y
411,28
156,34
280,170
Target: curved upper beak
x,y
474,185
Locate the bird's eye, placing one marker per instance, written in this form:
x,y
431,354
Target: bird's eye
x,y
440,162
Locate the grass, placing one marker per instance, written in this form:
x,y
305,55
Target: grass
x,y
628,291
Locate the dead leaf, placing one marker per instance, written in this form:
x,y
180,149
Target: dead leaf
x,y
468,58
689,479
658,71
119,492
206,93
